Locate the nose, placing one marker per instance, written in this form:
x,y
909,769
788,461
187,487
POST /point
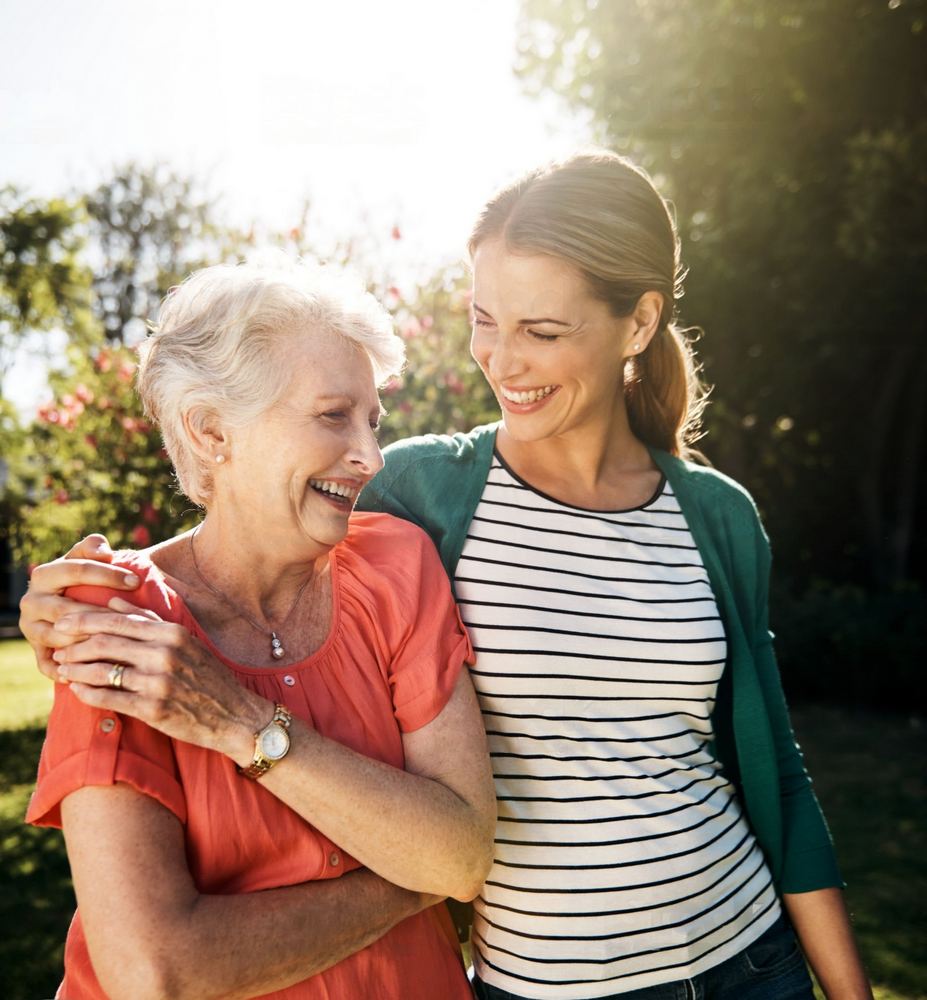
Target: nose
x,y
366,456
503,361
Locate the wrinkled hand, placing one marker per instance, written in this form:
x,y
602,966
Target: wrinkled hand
x,y
171,680
43,605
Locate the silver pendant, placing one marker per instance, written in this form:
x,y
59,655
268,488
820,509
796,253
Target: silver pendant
x,y
276,648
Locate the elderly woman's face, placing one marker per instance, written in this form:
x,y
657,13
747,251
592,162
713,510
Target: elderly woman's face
x,y
295,473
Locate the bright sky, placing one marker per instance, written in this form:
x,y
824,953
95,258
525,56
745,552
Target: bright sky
x,y
380,113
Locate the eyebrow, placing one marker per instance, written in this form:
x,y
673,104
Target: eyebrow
x,y
525,322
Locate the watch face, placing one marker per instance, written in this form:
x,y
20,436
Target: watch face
x,y
275,742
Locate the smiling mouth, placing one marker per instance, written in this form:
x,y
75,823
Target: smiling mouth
x,y
528,395
340,493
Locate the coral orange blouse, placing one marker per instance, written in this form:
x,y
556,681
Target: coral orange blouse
x,y
388,666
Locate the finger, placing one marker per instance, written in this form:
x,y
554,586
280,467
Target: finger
x,y
44,636
94,546
99,674
100,621
48,609
125,702
152,657
127,608
50,578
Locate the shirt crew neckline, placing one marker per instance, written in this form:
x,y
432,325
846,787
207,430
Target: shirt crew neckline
x,y
188,618
658,492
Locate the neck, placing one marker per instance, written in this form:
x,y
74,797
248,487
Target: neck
x,y
591,457
250,570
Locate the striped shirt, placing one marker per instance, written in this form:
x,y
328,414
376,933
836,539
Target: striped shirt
x,y
623,859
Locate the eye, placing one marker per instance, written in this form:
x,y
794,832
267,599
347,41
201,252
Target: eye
x,y
334,415
482,322
543,337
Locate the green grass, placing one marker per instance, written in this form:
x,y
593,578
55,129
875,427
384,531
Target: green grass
x,y
25,695
868,772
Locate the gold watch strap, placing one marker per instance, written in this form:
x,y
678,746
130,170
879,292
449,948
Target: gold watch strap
x,y
260,764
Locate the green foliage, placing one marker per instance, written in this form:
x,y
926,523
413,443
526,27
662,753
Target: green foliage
x,y
43,281
92,462
843,644
150,227
790,136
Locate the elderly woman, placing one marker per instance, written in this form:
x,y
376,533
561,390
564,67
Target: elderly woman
x,y
318,776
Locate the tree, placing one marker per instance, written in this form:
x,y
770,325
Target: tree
x,y
43,281
150,227
790,136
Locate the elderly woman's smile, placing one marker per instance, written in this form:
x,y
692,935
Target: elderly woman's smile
x,y
298,468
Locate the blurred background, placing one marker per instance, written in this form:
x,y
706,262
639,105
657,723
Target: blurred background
x,y
138,143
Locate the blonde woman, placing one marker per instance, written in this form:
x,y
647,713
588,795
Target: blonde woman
x,y
657,833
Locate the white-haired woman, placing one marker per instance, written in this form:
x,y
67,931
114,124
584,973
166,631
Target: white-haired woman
x,y
269,774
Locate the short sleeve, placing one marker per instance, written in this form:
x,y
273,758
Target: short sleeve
x,y
428,643
91,746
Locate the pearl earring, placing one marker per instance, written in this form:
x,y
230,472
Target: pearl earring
x,y
637,347
220,459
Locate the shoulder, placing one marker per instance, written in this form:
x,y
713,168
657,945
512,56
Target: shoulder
x,y
375,536
152,593
714,494
387,547
452,450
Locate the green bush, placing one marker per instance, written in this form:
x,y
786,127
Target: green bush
x,y
844,645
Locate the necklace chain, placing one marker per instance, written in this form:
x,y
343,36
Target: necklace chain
x,y
276,646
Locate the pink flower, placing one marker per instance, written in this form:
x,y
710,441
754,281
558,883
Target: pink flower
x,y
61,496
396,233
141,536
149,513
452,381
126,371
428,322
83,393
104,361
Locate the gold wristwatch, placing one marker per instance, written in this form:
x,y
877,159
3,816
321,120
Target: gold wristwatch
x,y
271,744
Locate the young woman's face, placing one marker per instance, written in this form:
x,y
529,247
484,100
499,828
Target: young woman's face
x,y
552,352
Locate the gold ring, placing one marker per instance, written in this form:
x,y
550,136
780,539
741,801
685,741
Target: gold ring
x,y
115,675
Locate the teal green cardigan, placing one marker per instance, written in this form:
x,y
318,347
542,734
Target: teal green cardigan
x,y
436,482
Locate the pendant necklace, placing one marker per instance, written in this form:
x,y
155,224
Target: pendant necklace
x,y
276,646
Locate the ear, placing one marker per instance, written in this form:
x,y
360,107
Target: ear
x,y
206,434
645,321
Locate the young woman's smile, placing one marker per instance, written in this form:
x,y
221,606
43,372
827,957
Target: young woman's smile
x,y
552,352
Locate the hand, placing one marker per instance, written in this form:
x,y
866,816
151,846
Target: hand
x,y
171,681
43,605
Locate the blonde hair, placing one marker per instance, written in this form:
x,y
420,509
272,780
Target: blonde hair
x,y
219,346
602,214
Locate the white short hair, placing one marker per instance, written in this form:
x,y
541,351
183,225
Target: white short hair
x,y
220,345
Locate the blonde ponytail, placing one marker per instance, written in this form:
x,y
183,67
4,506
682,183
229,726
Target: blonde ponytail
x,y
663,394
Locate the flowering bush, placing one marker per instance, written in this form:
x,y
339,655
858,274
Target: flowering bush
x,y
92,462
441,390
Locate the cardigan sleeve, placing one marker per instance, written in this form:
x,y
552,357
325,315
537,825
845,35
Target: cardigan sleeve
x,y
808,856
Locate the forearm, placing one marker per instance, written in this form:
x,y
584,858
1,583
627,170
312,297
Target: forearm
x,y
244,946
822,923
411,830
247,945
